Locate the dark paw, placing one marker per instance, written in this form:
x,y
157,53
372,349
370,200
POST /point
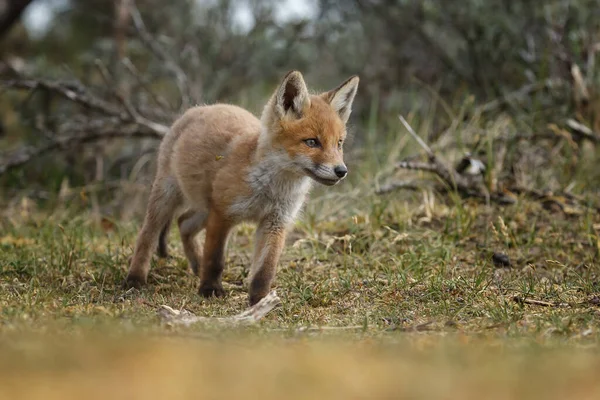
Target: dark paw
x,y
162,252
133,281
194,268
209,290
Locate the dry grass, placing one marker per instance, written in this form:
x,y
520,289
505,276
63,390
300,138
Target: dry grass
x,y
410,274
431,315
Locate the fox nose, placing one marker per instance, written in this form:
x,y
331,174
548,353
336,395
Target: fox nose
x,y
341,171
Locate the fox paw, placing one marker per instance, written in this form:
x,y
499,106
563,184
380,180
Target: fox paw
x,y
133,281
212,289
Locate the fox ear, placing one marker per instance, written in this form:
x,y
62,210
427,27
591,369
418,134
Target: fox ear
x,y
341,98
292,96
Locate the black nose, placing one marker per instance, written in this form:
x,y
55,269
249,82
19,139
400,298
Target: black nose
x,y
341,171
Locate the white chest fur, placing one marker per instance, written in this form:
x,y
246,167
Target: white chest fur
x,y
276,193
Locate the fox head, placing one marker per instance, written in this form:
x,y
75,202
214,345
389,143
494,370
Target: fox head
x,y
309,130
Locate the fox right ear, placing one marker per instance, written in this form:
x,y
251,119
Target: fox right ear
x,y
292,96
341,98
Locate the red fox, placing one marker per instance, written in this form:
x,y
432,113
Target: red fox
x,y
219,165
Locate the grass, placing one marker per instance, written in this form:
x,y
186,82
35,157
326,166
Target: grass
x,y
391,296
423,311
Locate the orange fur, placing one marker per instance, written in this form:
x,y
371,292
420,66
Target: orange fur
x,y
219,165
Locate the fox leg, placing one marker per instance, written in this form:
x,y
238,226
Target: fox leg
x,y
190,224
161,207
162,251
213,258
270,240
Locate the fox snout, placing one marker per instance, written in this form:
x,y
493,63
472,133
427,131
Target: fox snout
x,y
328,174
341,171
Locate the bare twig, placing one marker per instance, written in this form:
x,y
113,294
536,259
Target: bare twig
x,y
143,83
160,53
583,131
72,92
416,137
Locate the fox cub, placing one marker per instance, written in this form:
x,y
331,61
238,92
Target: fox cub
x,y
219,165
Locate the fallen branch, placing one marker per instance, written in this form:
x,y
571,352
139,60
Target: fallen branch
x,y
248,317
452,178
449,176
466,178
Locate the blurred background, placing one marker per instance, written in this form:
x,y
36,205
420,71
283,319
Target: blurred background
x,y
89,87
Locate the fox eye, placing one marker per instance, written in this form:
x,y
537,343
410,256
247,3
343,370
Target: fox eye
x,y
312,143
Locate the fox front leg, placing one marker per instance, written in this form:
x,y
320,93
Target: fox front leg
x,y
270,240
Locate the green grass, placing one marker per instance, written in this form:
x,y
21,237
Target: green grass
x,y
416,287
380,263
401,284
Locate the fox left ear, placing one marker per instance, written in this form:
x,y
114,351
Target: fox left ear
x,y
341,98
291,98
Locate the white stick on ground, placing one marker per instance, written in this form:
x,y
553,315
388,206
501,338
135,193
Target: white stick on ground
x,y
248,317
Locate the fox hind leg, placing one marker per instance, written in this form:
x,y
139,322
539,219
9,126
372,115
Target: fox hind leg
x,y
161,206
162,250
190,224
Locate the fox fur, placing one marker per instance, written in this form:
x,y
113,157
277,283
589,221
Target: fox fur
x,y
219,165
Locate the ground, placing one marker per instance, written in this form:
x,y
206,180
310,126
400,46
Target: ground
x,y
382,297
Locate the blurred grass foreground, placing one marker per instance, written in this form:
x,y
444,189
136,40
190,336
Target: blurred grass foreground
x,y
459,260
302,368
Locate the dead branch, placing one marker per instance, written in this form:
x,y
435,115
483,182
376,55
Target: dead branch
x,y
24,155
466,178
248,317
111,119
466,182
68,90
450,176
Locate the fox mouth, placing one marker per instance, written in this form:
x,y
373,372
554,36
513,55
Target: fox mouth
x,y
324,181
